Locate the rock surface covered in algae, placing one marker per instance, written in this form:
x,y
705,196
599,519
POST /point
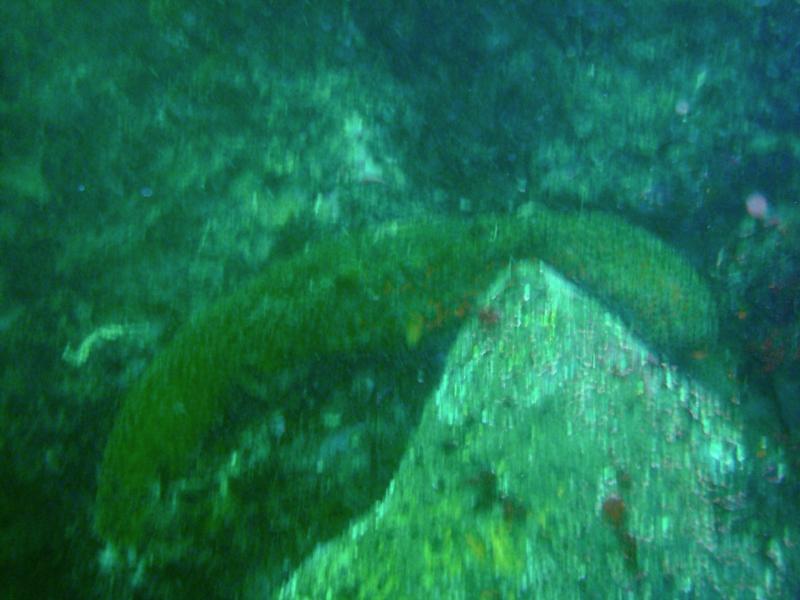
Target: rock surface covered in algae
x,y
378,290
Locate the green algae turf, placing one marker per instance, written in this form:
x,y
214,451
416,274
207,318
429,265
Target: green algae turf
x,y
377,290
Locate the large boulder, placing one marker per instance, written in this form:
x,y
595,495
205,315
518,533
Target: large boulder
x,y
560,458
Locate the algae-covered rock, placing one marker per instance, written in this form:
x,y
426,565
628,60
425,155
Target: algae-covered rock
x,y
654,290
558,460
381,290
378,291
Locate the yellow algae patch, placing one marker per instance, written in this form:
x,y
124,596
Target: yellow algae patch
x,y
508,557
476,546
414,329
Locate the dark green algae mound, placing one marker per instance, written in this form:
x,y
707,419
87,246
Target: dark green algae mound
x,y
376,291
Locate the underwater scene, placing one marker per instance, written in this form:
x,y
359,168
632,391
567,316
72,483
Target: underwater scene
x,y
348,299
